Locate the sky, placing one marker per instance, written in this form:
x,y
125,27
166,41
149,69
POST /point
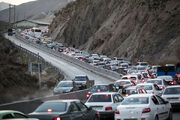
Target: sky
x,y
16,2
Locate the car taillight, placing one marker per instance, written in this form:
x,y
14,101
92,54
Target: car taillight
x,y
146,110
88,95
117,112
152,92
161,87
57,118
172,83
108,108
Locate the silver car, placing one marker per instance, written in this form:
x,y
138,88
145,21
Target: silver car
x,y
65,87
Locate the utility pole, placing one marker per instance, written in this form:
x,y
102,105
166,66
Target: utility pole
x,y
9,14
14,13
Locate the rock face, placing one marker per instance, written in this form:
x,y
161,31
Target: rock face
x,y
133,29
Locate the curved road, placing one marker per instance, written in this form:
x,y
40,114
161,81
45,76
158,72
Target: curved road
x,y
70,70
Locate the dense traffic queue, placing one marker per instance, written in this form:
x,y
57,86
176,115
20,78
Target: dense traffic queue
x,y
144,92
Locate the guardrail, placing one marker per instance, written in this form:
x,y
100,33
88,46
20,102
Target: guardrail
x,y
100,71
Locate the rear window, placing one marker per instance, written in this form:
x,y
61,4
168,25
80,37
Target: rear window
x,y
158,82
146,87
122,83
135,101
131,91
99,88
65,84
52,107
100,98
83,78
133,78
175,90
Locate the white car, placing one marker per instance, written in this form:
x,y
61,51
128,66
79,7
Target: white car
x,y
105,103
133,77
172,94
151,88
143,107
161,84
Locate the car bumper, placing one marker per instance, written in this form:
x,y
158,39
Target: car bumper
x,y
106,115
146,117
175,105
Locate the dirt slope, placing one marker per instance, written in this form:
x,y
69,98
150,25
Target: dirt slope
x,y
133,29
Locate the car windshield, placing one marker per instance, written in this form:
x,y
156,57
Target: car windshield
x,y
99,88
141,68
52,107
100,98
65,84
135,101
80,78
146,87
122,83
158,82
175,90
144,64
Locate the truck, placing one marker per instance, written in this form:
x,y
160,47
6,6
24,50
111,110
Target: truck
x,y
83,82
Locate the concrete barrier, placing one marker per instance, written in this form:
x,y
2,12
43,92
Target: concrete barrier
x,y
29,106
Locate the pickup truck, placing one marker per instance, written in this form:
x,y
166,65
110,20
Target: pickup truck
x,y
83,82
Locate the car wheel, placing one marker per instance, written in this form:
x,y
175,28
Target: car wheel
x,y
170,117
96,118
156,118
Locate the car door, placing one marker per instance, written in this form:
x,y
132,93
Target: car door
x,y
87,114
161,109
165,108
157,109
117,99
75,113
157,90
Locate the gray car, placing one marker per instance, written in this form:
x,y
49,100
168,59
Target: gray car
x,y
65,87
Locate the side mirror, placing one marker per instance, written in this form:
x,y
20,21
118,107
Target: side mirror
x,y
166,102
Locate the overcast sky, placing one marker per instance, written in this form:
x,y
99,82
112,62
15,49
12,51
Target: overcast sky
x,y
16,2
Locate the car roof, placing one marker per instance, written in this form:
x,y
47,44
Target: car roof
x,y
155,79
123,80
64,100
174,86
66,81
8,111
145,84
140,95
102,93
132,87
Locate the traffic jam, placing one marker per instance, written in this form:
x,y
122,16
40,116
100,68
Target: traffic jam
x,y
144,92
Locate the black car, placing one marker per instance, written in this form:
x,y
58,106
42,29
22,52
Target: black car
x,y
64,110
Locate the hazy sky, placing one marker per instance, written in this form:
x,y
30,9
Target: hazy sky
x,y
16,2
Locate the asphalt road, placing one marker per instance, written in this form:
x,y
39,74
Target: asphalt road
x,y
71,70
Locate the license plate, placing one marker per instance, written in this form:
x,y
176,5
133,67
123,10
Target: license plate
x,y
97,108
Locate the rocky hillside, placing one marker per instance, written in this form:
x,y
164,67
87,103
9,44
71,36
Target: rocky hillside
x,y
133,29
38,9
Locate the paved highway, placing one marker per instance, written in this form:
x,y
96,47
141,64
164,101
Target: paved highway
x,y
69,69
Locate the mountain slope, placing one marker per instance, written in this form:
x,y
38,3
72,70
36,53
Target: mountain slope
x,y
3,5
133,29
34,8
